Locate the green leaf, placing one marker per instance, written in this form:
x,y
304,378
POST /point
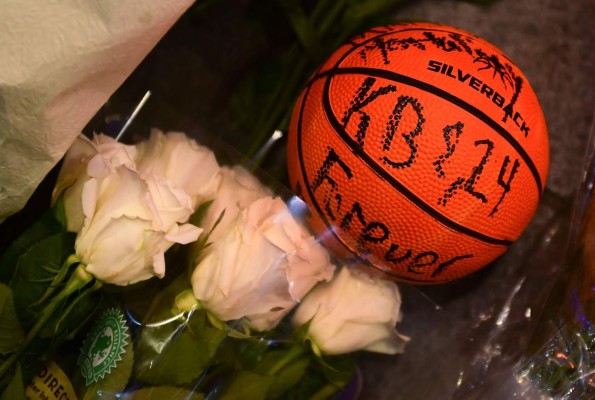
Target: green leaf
x,y
338,370
164,300
198,215
247,385
278,369
15,389
301,333
76,311
244,354
45,226
177,353
322,378
36,268
11,333
162,392
285,365
288,377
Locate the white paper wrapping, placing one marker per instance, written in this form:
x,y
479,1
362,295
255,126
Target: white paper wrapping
x,y
59,63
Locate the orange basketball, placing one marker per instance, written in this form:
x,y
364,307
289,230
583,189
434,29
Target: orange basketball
x,y
421,149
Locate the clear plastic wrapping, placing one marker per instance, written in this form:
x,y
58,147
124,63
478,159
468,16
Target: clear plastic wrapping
x,y
226,293
539,342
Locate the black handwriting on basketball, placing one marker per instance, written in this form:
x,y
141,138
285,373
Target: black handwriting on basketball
x,y
332,198
451,134
360,232
393,124
365,96
468,184
505,185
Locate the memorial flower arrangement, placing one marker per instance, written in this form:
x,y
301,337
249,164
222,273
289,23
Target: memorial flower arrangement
x,y
213,283
158,273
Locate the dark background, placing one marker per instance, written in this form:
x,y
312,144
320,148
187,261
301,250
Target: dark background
x,y
468,337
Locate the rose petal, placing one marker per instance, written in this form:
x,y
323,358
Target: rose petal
x,y
244,273
352,312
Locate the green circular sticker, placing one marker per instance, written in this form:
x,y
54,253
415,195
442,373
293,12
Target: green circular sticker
x,y
103,346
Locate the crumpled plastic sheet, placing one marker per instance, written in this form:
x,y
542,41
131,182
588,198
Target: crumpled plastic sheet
x,y
497,326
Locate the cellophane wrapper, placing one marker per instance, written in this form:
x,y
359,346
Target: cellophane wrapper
x,y
537,342
161,348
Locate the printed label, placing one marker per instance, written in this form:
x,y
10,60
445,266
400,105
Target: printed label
x,y
51,383
104,346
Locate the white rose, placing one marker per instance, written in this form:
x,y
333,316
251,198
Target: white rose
x,y
262,265
179,159
73,173
125,232
124,221
353,312
237,189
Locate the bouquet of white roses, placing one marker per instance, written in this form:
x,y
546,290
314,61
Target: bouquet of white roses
x,y
158,273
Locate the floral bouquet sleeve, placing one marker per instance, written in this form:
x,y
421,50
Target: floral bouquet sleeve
x,y
159,273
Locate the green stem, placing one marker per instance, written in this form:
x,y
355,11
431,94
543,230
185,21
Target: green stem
x,y
293,354
59,278
73,304
325,393
79,278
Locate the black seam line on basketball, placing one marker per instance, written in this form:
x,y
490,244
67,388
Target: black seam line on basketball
x,y
359,152
393,76
321,214
371,265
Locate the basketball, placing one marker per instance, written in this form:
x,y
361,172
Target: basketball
x,y
422,151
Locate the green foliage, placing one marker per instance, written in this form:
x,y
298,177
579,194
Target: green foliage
x,y
259,370
35,271
35,268
51,222
177,352
289,375
11,333
15,389
323,378
11,336
247,385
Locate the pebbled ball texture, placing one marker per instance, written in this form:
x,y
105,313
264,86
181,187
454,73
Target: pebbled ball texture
x,y
421,149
